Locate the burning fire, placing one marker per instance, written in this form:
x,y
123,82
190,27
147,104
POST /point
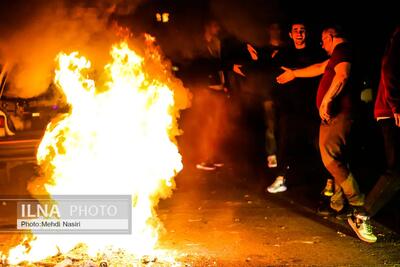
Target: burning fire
x,y
119,138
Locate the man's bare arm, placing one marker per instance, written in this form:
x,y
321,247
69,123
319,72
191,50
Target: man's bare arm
x,y
311,71
342,72
307,72
397,119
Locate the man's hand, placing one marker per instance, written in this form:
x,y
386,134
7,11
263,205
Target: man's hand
x,y
252,51
286,77
236,69
273,54
325,110
397,119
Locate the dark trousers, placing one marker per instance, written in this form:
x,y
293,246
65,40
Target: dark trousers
x,y
296,134
389,182
333,143
211,125
270,127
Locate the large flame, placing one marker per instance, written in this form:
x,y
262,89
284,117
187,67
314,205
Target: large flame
x,y
117,139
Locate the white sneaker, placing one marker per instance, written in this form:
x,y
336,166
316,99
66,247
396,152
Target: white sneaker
x,y
362,227
272,162
205,166
218,164
277,186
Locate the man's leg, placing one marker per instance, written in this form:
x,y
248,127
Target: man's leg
x,y
270,140
389,183
333,141
285,133
207,133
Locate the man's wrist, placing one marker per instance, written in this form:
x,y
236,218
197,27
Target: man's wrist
x,y
327,99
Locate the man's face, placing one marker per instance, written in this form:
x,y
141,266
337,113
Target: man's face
x,y
327,42
298,34
214,28
275,32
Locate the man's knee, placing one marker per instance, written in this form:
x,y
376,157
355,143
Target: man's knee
x,y
330,150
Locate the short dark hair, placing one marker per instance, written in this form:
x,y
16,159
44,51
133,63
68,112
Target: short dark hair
x,y
296,21
336,30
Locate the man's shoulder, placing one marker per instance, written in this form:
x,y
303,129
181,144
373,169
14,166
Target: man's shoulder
x,y
343,48
343,52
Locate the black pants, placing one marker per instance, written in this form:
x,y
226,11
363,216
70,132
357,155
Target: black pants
x,y
389,182
270,122
296,134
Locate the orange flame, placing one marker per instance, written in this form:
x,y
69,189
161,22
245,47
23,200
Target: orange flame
x,y
119,139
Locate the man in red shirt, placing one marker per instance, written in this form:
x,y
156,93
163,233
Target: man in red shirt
x,y
335,103
387,113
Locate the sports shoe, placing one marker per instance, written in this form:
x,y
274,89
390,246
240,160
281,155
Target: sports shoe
x,y
206,166
362,227
344,213
328,190
272,161
218,164
341,215
326,210
278,185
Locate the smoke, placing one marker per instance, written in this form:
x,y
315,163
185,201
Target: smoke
x,y
39,30
246,20
118,7
34,32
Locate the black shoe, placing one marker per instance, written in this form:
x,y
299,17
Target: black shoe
x,y
326,210
349,211
344,213
359,211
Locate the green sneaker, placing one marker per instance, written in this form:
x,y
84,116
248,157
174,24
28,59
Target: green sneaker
x,y
362,227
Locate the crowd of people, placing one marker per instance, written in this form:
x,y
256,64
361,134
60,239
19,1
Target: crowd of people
x,y
309,97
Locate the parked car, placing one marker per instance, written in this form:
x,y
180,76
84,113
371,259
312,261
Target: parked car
x,y
22,124
19,115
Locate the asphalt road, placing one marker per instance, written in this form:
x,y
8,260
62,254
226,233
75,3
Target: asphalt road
x,y
223,218
231,223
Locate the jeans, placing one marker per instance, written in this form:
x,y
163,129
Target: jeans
x,y
333,143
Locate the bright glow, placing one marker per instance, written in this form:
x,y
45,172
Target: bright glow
x,y
165,17
116,140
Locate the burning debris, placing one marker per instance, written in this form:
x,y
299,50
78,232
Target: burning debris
x,y
119,136
79,256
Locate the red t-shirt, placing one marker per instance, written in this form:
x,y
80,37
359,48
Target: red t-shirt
x,y
388,99
341,53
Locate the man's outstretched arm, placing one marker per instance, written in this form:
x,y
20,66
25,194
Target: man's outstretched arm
x,y
307,72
